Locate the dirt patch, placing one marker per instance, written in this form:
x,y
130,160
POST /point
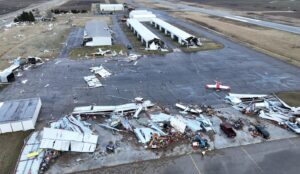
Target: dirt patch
x,y
291,98
282,45
80,20
11,145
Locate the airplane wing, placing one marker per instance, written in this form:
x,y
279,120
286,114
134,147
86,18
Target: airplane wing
x,y
211,86
224,87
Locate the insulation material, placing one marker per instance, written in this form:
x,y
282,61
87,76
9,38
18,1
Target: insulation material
x,y
178,124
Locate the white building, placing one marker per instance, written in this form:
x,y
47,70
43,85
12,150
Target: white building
x,y
176,33
7,75
97,33
19,115
110,7
142,15
149,40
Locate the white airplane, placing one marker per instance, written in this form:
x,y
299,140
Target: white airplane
x,y
100,52
217,86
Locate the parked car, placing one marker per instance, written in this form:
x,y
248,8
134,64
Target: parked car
x,y
227,129
263,131
293,126
129,47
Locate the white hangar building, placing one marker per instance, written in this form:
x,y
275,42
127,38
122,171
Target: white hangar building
x,y
111,7
149,40
142,15
176,33
19,115
96,33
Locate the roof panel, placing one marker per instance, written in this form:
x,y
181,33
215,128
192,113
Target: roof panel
x,y
178,32
96,28
145,33
18,110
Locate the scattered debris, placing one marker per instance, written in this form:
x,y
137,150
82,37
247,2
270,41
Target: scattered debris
x,y
265,106
31,157
200,142
133,57
19,64
24,81
191,109
92,80
110,148
227,129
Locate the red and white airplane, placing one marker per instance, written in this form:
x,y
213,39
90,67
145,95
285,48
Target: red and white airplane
x,y
217,86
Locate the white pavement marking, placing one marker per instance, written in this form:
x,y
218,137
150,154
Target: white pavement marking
x,y
292,143
250,157
195,164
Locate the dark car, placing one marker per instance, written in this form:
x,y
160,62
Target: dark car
x,y
129,47
228,130
263,131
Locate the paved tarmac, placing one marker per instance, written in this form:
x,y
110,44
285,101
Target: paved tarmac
x,y
165,79
228,15
275,157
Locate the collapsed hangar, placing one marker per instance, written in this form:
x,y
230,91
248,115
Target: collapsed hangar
x,y
176,34
150,40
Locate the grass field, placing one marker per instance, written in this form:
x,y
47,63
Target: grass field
x,y
21,41
255,5
2,86
7,6
291,98
10,145
283,45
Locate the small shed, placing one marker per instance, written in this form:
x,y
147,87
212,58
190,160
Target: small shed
x,y
19,115
97,33
111,7
142,15
7,75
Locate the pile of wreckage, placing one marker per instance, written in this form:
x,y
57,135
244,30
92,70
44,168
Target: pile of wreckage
x,y
153,128
8,75
268,107
93,80
67,134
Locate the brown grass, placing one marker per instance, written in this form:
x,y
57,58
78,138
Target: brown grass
x,y
80,20
32,40
11,145
291,98
283,45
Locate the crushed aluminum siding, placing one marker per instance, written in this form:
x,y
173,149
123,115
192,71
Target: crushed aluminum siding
x,y
63,140
104,109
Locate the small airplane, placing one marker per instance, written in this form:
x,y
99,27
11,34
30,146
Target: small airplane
x,y
217,86
100,52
